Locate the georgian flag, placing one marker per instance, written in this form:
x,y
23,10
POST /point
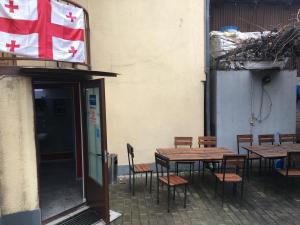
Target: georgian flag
x,y
44,29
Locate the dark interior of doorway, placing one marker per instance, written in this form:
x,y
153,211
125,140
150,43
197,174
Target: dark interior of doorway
x,y
60,188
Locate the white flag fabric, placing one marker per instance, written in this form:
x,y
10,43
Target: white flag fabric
x,y
71,51
25,45
19,9
44,29
67,15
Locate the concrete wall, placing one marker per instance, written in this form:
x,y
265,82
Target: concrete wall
x,y
232,104
18,172
157,47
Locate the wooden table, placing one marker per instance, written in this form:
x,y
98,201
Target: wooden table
x,y
194,154
271,151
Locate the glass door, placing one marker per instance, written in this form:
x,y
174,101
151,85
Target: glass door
x,y
96,177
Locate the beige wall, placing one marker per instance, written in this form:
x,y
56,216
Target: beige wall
x,y
157,47
18,175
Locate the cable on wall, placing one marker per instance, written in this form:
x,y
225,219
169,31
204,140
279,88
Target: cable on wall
x,y
265,80
260,117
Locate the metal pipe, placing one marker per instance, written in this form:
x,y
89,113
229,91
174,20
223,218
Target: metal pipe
x,y
207,102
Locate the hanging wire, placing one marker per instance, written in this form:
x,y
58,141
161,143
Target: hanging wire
x,y
260,115
270,105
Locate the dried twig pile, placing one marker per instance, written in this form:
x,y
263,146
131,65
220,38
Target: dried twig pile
x,y
272,46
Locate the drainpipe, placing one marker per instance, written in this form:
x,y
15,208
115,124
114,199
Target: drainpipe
x,y
207,103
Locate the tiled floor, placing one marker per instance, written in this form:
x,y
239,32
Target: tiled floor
x,y
59,189
266,201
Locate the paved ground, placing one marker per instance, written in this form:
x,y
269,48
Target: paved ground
x,y
266,201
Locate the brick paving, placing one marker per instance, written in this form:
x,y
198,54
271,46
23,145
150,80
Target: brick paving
x,y
267,200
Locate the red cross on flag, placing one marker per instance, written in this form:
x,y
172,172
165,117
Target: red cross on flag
x,y
45,29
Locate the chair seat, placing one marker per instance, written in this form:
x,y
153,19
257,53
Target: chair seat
x,y
291,172
253,156
174,180
229,177
142,168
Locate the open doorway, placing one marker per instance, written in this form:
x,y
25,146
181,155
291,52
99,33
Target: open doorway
x,y
59,150
71,140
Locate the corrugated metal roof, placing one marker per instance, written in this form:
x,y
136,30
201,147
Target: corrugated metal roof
x,y
285,2
251,17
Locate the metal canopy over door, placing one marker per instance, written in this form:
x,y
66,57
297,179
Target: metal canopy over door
x,y
96,170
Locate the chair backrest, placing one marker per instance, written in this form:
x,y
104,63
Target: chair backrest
x,y
130,153
293,158
244,138
266,138
162,165
287,138
207,141
236,162
183,141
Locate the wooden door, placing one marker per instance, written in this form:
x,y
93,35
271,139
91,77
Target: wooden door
x,y
96,168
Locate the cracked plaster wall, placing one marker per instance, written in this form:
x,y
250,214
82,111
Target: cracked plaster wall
x,y
18,174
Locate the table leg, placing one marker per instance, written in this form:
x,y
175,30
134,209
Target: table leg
x,y
265,159
248,167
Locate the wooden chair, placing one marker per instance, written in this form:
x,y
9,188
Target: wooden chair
x,y
266,138
247,139
291,161
290,138
137,169
206,142
230,173
163,176
184,142
291,169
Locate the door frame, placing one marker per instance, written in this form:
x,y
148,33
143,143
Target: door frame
x,y
78,141
80,130
90,184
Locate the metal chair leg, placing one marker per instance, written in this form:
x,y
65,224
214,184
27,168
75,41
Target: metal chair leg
x,y
265,165
146,178
157,192
168,198
260,166
174,192
129,179
216,186
193,170
223,191
190,171
133,184
177,169
184,196
242,189
234,189
151,182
